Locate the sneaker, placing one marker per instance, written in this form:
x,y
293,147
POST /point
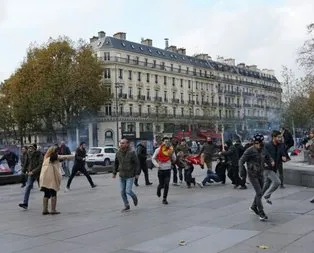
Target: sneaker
x,y
268,201
125,209
24,206
199,184
165,202
67,189
243,187
312,201
263,217
149,183
135,201
282,186
180,182
94,186
254,209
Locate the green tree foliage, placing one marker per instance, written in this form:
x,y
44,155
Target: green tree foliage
x,y
57,84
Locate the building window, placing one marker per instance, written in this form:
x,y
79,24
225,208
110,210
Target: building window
x,y
196,98
165,96
148,109
157,110
179,70
181,83
171,67
196,85
173,81
182,111
147,77
131,110
141,127
174,111
130,92
154,64
181,96
139,92
121,73
165,80
107,56
108,110
173,95
130,74
128,58
187,70
146,62
137,59
140,110
139,76
205,73
200,72
166,110
107,73
148,94
121,109
189,84
156,78
190,112
149,127
162,65
131,127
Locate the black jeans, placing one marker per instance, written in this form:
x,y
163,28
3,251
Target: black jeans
x,y
257,183
143,166
164,180
82,169
233,174
188,176
175,173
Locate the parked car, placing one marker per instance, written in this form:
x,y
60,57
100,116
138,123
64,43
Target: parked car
x,y
104,156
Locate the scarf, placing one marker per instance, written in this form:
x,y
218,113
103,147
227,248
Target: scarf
x,y
165,153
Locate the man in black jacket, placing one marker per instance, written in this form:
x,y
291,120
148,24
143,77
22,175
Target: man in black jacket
x,y
271,178
287,139
256,157
79,165
11,158
33,164
233,155
141,151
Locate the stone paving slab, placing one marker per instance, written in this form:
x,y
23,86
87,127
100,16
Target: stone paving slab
x,y
214,219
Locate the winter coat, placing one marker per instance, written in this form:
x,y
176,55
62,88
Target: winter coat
x,y
184,148
141,151
34,161
276,152
79,159
255,160
11,158
126,163
208,149
50,175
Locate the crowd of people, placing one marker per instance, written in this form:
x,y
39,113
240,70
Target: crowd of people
x,y
261,164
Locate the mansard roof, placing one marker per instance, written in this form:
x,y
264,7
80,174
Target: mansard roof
x,y
180,58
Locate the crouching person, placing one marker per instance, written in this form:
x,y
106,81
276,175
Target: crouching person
x,y
218,176
188,169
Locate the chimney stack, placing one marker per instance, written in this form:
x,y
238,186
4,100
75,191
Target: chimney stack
x,y
101,34
166,43
120,35
147,42
181,50
93,39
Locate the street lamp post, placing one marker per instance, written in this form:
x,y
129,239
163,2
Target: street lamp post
x,y
117,85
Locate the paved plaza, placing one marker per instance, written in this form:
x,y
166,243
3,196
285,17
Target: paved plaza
x,y
213,219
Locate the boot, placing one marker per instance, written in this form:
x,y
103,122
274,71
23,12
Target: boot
x,y
45,206
53,206
136,182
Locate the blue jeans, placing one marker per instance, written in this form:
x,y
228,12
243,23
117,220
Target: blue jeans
x,y
126,189
211,175
28,188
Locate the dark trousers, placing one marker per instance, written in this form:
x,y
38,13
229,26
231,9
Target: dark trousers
x,y
23,179
164,180
188,175
257,183
280,170
233,174
175,173
144,168
79,168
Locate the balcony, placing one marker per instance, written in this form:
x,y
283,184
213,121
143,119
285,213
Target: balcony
x,y
175,101
182,101
247,105
148,98
122,96
220,104
191,102
158,99
141,97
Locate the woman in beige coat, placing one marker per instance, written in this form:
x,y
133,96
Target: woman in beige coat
x,y
50,179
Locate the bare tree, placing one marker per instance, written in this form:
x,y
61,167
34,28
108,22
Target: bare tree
x,y
306,52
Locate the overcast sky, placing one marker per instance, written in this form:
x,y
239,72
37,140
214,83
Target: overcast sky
x,y
267,33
